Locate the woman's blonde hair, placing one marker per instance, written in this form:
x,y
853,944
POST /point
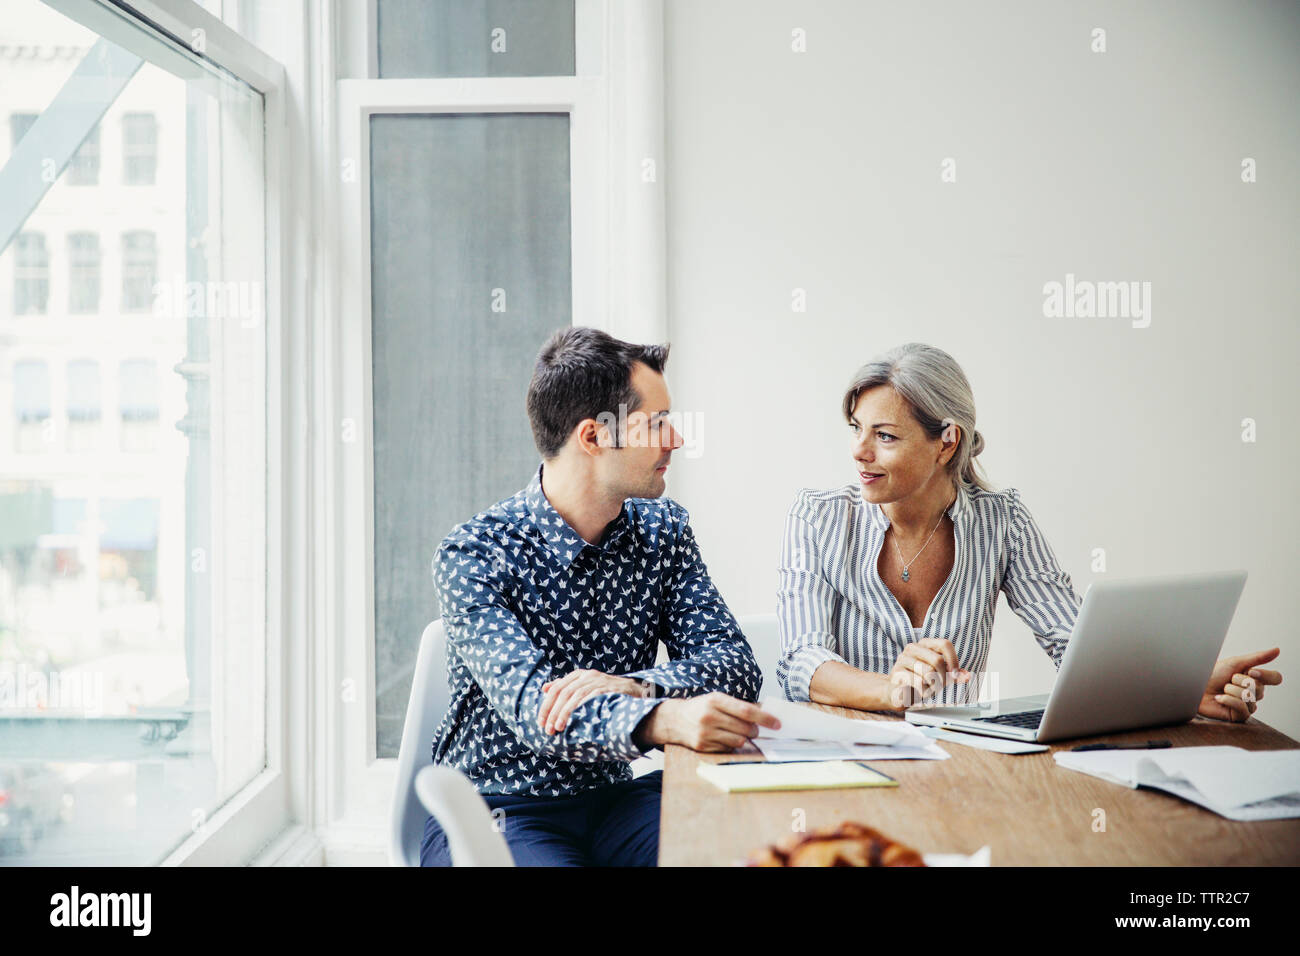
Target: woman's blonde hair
x,y
935,387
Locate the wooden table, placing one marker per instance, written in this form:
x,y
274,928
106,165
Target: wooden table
x,y
1028,810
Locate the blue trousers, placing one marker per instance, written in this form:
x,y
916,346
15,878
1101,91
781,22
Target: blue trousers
x,y
616,825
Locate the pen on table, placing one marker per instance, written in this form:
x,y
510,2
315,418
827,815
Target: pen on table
x,y
1149,745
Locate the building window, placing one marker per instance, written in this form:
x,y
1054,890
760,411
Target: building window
x,y
31,404
137,391
19,124
31,274
83,272
83,405
139,270
84,168
139,149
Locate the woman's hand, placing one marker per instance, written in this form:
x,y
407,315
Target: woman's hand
x,y
923,669
1237,684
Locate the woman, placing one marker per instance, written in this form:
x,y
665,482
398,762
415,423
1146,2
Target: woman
x,y
888,585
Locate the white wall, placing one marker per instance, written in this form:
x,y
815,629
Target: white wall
x,y
821,170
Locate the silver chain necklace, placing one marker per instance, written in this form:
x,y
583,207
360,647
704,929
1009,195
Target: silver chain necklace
x,y
908,564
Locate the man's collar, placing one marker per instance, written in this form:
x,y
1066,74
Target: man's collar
x,y
566,543
956,510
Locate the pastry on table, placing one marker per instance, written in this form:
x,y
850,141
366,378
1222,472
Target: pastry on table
x,y
849,844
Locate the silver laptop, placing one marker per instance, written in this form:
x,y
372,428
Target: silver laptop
x,y
1140,655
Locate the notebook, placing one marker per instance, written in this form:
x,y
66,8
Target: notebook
x,y
1234,783
821,775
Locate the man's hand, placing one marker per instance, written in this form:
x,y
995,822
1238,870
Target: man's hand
x,y
563,696
711,723
1236,684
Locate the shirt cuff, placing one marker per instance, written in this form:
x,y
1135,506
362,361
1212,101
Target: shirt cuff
x,y
660,682
799,672
620,731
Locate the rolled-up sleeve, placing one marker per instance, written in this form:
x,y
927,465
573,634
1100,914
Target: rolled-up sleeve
x,y
1037,589
510,668
805,605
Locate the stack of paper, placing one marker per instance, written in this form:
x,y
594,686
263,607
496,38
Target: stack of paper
x,y
1234,783
808,734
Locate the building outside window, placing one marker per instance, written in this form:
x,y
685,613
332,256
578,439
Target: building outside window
x,y
83,272
19,124
83,405
137,399
137,581
139,270
139,149
31,405
31,274
84,168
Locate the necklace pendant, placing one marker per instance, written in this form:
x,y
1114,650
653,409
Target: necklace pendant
x,y
905,574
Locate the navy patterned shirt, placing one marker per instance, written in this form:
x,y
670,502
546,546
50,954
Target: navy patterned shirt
x,y
526,600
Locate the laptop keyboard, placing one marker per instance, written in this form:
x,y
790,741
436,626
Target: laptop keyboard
x,y
1028,719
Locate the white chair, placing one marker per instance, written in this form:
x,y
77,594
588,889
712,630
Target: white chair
x,y
765,641
441,791
472,834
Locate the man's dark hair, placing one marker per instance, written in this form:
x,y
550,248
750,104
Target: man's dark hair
x,y
580,373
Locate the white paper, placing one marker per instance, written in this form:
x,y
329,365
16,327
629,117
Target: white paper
x,y
981,857
804,723
1232,777
1235,783
996,744
780,750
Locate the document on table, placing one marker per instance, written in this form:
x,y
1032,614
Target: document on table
x,y
792,776
1234,783
996,744
808,734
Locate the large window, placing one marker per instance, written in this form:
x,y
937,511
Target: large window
x,y
133,468
491,281
426,38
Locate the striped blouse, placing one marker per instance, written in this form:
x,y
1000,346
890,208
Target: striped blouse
x,y
833,606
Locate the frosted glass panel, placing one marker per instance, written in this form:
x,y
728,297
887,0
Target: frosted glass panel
x,y
470,275
426,38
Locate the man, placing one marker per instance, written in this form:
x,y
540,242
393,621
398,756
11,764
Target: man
x,y
555,600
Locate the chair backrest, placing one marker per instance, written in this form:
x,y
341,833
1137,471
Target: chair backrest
x,y
473,834
424,711
765,641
